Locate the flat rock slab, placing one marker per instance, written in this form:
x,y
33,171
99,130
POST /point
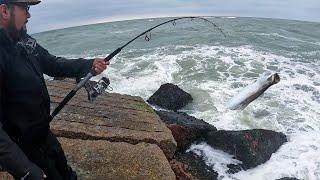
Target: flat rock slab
x,y
109,160
113,117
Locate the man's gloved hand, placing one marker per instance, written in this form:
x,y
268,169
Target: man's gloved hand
x,y
34,173
100,65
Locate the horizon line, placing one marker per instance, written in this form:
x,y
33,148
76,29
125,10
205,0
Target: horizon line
x,y
121,19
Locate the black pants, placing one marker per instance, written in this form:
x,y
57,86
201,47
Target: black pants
x,y
51,159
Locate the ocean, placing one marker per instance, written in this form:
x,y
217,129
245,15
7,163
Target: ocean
x,y
195,56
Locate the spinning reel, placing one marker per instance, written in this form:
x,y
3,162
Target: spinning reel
x,y
94,89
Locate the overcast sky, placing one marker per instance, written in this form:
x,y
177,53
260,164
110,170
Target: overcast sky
x,y
56,14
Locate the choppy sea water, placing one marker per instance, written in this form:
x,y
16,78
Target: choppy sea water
x,y
212,68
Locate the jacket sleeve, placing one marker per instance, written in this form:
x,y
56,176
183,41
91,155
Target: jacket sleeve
x,y
12,158
62,67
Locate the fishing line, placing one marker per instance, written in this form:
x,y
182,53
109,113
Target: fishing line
x,y
104,82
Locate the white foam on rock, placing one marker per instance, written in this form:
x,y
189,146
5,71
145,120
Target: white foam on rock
x,y
298,158
214,158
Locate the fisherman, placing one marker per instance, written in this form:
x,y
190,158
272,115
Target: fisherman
x,y
28,149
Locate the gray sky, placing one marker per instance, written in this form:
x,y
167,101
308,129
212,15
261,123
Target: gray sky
x,y
56,14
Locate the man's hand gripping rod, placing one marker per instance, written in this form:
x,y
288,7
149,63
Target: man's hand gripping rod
x,y
80,85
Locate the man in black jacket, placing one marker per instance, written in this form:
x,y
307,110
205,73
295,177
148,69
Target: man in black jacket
x,y
28,149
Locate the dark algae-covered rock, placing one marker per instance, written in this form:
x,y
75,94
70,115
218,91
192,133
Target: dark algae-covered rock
x,y
183,119
288,178
170,96
180,170
252,147
196,166
185,129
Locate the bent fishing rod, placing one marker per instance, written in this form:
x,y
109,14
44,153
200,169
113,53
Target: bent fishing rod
x,y
106,82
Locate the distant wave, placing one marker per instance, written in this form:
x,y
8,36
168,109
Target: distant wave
x,y
289,38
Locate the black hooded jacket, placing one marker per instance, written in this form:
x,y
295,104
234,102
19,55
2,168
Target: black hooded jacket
x,y
25,102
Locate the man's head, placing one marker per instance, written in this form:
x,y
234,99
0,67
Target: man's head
x,y
14,16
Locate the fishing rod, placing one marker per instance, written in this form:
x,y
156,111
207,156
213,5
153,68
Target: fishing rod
x,y
104,83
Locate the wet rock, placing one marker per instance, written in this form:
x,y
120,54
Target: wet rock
x,y
288,178
185,129
180,170
170,96
196,166
234,168
252,147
